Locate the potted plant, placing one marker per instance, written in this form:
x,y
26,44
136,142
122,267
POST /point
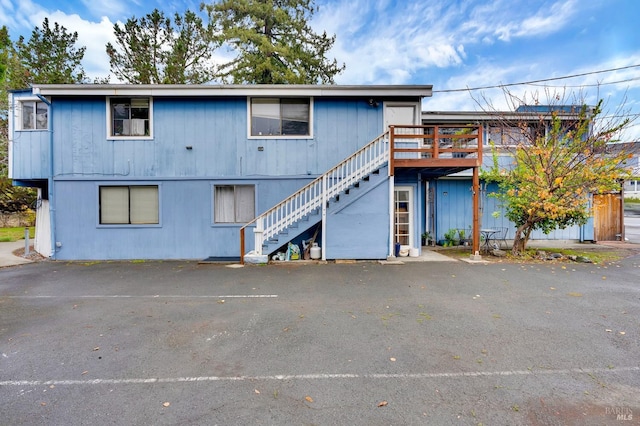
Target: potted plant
x,y
450,237
426,238
461,236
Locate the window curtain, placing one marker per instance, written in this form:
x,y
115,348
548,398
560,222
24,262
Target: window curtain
x,y
224,204
144,204
114,204
245,204
234,204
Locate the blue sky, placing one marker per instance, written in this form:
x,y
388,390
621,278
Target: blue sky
x,y
448,44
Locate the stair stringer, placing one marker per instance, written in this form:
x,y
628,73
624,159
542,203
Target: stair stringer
x,y
335,206
309,200
359,229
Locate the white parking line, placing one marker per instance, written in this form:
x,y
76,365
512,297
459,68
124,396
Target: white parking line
x,y
154,296
319,377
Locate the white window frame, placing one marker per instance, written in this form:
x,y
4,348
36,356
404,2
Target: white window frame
x,y
510,136
249,116
236,220
19,114
111,136
410,214
128,223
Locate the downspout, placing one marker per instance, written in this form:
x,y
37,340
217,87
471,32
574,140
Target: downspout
x,y
52,209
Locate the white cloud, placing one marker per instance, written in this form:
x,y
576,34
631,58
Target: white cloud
x,y
18,17
377,40
548,20
113,8
25,15
389,45
503,19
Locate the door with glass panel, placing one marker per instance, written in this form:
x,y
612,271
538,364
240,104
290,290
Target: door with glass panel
x,y
403,212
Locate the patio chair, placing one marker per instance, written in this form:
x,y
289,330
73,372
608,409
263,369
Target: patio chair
x,y
501,236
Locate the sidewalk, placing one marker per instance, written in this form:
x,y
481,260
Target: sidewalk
x,y
7,258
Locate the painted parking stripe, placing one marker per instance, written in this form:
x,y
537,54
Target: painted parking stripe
x,y
154,296
319,377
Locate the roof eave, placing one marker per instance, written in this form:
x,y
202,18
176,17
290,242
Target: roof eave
x,y
232,90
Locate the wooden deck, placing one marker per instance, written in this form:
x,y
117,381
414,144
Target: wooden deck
x,y
439,150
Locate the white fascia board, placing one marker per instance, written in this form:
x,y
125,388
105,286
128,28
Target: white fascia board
x,y
279,90
489,116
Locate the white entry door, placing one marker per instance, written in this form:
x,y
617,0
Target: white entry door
x,y
399,114
403,215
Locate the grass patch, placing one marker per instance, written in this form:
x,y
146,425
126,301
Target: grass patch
x,y
15,234
596,255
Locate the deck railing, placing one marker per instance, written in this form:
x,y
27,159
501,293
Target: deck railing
x,y
405,145
431,145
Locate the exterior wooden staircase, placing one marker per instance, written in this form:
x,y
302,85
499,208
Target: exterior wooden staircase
x,y
441,150
308,206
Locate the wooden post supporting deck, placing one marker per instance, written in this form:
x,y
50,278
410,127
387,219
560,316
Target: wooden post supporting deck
x,y
242,246
476,211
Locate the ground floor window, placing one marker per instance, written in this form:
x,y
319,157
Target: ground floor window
x,y
129,205
234,203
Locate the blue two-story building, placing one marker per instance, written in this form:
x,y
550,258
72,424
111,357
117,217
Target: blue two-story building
x,y
174,172
200,171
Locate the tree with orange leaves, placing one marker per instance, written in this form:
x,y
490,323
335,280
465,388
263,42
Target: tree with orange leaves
x,y
557,165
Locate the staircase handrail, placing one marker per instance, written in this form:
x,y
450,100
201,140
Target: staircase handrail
x,y
339,178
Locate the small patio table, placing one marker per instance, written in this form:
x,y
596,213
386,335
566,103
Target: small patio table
x,y
489,236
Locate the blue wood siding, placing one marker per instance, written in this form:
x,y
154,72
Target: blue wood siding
x,y
30,148
215,128
186,230
30,155
454,209
491,205
454,205
361,229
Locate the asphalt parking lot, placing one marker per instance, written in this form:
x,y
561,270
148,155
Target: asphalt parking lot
x,y
125,343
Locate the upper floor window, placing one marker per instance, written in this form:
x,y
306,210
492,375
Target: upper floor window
x,y
35,115
280,117
511,136
129,117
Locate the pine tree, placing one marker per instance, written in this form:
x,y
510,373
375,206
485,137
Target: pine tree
x,y
153,50
273,42
50,56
